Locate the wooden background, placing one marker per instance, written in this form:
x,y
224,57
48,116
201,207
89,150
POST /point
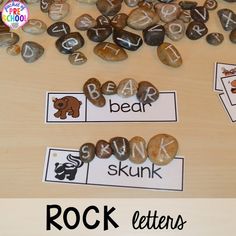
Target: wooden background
x,y
206,136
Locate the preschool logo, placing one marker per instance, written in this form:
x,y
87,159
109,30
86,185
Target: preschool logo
x,y
15,14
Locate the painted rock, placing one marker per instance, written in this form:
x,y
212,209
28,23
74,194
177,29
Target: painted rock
x,y
229,0
120,148
227,19
110,52
109,7
141,18
154,35
70,43
58,29
232,36
31,51
77,58
138,151
119,21
13,50
92,90
196,30
185,16
175,30
99,33
169,55
168,12
127,88
103,149
103,20
200,14
165,1
162,149
145,4
109,88
215,38
34,26
85,22
8,38
127,40
58,11
147,92
187,5
87,152
131,3
210,5
45,4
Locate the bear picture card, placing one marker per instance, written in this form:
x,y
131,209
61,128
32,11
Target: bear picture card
x,y
74,107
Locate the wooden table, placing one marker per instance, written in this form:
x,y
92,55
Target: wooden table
x,y
205,134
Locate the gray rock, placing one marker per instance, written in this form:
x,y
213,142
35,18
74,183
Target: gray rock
x,y
215,38
187,5
138,151
58,11
127,88
31,51
87,152
45,4
227,19
85,22
34,26
8,38
175,30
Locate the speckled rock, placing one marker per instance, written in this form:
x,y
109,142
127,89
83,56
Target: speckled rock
x,y
175,30
127,88
162,149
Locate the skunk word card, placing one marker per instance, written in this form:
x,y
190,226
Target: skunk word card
x,y
65,166
117,109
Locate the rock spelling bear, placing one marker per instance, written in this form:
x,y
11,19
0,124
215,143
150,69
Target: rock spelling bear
x,y
67,104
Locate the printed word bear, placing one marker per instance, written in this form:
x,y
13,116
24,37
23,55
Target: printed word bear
x,y
68,104
68,169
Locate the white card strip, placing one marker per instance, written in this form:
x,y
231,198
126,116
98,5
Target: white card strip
x,y
64,166
222,70
117,109
231,111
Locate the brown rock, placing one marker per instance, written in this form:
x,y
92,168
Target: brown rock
x,y
77,58
13,50
87,152
103,149
110,52
92,90
169,55
85,22
109,88
162,149
120,148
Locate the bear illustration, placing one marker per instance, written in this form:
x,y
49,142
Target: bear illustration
x,y
69,169
233,84
67,104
